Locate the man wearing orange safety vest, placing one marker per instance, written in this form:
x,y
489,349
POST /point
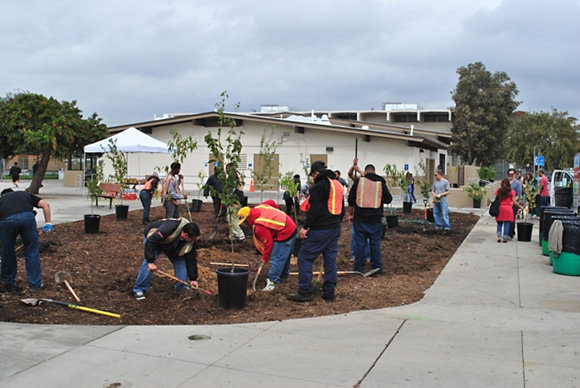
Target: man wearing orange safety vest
x,y
274,236
320,233
365,201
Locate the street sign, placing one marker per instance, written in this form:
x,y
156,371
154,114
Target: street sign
x,y
540,161
406,167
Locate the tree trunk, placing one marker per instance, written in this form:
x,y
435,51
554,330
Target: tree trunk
x,y
40,171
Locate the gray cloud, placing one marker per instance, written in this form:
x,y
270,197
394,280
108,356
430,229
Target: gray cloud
x,y
130,60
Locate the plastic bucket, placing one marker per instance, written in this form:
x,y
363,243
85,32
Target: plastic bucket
x,y
92,223
525,231
121,211
232,287
567,264
196,205
392,221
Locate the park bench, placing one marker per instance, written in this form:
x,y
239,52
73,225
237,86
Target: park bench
x,y
108,191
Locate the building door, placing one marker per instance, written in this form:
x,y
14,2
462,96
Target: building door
x,y
264,180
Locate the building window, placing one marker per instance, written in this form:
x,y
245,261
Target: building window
x,y
436,118
23,162
405,118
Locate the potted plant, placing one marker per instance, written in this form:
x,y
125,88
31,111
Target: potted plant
x,y
196,203
486,174
525,229
119,163
93,221
232,282
475,192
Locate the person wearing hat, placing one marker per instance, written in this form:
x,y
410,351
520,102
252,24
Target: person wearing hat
x,y
320,233
274,236
146,194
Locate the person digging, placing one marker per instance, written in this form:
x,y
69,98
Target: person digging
x,y
176,237
274,235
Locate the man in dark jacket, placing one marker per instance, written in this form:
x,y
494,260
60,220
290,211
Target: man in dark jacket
x,y
365,201
214,182
176,237
320,233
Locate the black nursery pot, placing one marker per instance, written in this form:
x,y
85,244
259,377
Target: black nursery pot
x,y
92,223
525,231
196,205
392,221
121,211
407,206
232,287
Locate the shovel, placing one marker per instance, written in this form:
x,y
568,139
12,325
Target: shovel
x,y
36,302
63,277
364,275
181,281
186,203
257,275
316,284
217,220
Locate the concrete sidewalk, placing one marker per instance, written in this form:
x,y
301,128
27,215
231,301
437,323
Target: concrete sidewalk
x,y
497,316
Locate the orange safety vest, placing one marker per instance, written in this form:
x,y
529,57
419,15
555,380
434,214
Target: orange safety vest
x,y
336,197
369,194
270,218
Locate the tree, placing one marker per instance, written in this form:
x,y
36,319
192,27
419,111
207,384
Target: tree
x,y
484,105
230,153
34,124
267,152
553,135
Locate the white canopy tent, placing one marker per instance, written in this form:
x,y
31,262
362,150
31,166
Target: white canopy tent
x,y
130,140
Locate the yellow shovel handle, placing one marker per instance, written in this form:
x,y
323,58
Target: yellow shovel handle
x,y
90,310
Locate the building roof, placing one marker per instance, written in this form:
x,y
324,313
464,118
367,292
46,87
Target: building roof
x,y
417,137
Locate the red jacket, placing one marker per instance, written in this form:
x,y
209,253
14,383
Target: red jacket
x,y
269,225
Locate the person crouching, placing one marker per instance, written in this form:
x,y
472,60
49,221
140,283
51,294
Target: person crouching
x,y
274,237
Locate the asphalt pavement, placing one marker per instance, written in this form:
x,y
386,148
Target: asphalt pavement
x,y
497,316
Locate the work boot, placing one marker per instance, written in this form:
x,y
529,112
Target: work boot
x,y
328,296
299,297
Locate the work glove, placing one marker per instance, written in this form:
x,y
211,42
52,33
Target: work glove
x,y
47,228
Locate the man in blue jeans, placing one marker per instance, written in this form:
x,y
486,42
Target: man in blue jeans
x,y
365,200
440,191
17,217
176,237
274,235
320,233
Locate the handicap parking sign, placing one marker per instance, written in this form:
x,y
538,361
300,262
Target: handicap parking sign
x,y
539,161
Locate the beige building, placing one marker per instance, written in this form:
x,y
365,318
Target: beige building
x,y
404,138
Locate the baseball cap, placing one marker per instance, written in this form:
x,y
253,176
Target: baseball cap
x,y
243,213
317,166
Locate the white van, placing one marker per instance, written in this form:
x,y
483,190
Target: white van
x,y
564,188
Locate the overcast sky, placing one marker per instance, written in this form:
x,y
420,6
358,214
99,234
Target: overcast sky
x,y
132,59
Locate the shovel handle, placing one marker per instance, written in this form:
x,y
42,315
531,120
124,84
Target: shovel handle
x,y
181,281
70,289
90,310
257,275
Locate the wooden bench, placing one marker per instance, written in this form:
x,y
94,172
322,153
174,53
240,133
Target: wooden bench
x,y
109,191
